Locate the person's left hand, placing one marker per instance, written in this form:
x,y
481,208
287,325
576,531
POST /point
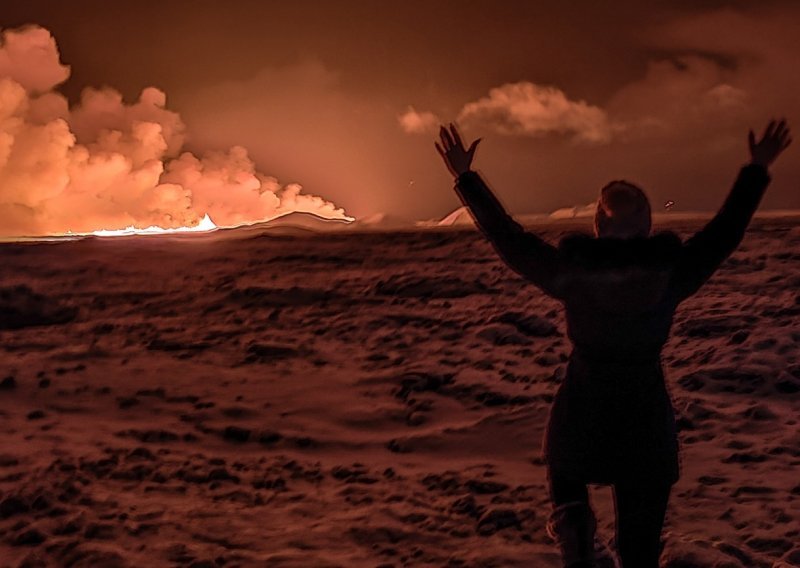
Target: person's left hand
x,y
775,140
457,159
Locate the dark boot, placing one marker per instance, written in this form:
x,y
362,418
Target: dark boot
x,y
573,525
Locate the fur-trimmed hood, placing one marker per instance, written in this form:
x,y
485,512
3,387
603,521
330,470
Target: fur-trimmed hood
x,y
617,275
604,253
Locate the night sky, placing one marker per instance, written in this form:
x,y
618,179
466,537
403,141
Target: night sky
x,y
565,95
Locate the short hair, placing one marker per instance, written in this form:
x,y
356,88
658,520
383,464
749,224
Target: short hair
x,y
623,208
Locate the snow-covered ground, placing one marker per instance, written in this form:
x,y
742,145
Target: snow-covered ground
x,y
288,399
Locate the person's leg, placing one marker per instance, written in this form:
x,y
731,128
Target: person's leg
x,y
565,489
572,523
640,518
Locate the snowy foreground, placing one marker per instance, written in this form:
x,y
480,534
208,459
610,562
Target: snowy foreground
x,y
284,399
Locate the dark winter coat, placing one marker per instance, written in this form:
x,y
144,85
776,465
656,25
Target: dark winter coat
x,y
612,417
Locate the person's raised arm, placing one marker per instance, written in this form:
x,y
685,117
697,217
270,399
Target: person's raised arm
x,y
524,252
705,251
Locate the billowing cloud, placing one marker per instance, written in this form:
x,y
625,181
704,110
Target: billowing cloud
x,y
30,57
677,94
106,164
304,119
533,110
413,122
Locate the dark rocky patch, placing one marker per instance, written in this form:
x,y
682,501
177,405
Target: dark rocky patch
x,y
267,353
171,345
150,436
8,383
787,386
30,537
715,326
503,334
530,325
262,297
412,286
711,480
495,520
744,457
752,490
467,505
127,401
269,437
357,473
236,434
725,380
100,531
776,546
21,307
482,487
419,382
156,393
13,505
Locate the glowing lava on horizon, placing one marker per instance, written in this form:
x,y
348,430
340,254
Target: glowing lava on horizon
x,y
206,225
96,165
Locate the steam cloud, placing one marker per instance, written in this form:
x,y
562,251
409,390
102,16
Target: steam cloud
x,y
105,164
413,122
676,97
534,110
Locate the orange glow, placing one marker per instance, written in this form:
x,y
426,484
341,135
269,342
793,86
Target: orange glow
x,y
206,225
106,167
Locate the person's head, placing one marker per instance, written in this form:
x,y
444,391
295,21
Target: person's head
x,y
623,211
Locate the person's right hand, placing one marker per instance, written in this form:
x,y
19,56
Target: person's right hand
x,y
775,140
457,159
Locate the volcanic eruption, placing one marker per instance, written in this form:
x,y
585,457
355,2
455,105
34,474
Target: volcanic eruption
x,y
109,166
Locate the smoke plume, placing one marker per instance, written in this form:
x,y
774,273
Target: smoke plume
x,y
413,122
529,109
106,164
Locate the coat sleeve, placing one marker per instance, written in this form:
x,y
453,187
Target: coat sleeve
x,y
524,252
703,253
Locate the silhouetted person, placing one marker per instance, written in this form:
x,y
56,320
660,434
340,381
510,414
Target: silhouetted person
x,y
612,420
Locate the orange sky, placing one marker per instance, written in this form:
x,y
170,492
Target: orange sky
x,y
565,97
